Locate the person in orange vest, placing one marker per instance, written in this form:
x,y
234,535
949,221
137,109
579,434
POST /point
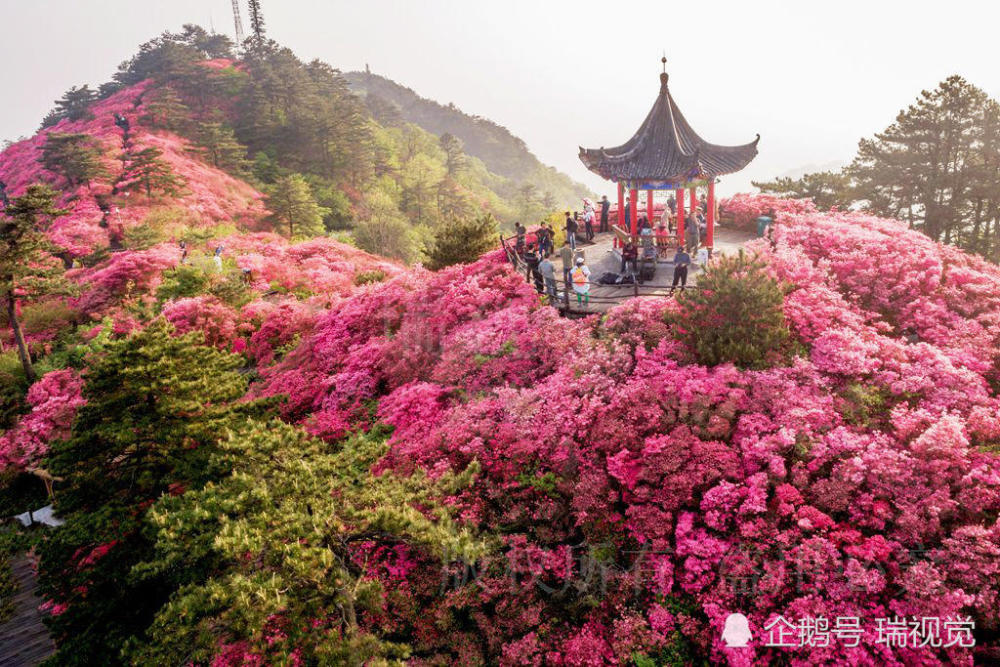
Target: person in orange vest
x,y
581,281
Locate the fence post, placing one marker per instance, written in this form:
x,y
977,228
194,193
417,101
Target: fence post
x,y
566,294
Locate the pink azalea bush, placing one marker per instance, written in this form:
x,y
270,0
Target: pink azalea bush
x,y
206,314
744,209
859,480
54,400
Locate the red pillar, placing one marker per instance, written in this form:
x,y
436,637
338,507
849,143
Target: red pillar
x,y
649,207
634,211
710,236
680,216
621,209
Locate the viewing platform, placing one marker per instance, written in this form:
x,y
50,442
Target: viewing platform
x,y
602,257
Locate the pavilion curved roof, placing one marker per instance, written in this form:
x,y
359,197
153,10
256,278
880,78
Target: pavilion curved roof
x,y
666,149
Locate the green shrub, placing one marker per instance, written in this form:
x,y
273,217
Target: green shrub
x,y
734,315
183,281
369,277
13,388
462,241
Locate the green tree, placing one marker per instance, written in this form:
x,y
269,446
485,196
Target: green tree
x,y
383,230
452,201
294,208
219,147
826,188
73,105
921,167
146,170
282,529
734,316
528,202
165,110
257,21
461,241
157,406
76,157
455,161
25,267
211,44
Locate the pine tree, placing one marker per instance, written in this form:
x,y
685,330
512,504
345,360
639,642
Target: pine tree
x,y
220,148
146,170
920,168
74,105
165,110
77,157
294,208
24,269
734,316
462,241
455,160
826,188
385,231
257,21
150,399
157,407
283,529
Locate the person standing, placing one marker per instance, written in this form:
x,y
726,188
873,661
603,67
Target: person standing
x,y
692,237
532,260
520,230
681,262
548,271
581,281
571,228
566,254
605,207
672,204
543,239
588,221
628,215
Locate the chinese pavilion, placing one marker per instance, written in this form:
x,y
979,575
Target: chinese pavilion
x,y
666,154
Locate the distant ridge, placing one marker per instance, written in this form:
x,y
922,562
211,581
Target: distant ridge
x,y
501,151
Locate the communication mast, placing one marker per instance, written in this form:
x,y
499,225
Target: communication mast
x,y
240,36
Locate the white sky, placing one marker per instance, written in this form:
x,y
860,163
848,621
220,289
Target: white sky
x,y
812,78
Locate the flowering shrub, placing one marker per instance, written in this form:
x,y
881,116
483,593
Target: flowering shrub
x,y
744,209
207,314
54,400
856,479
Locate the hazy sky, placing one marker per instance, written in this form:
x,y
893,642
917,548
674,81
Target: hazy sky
x,y
812,78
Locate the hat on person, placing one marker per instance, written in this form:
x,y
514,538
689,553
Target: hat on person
x,y
579,260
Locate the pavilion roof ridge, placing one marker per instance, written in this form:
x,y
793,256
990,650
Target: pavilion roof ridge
x,y
667,149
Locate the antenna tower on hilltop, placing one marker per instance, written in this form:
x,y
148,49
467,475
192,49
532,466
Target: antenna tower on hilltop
x,y
240,36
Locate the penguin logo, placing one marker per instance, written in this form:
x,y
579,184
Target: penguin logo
x,y
736,634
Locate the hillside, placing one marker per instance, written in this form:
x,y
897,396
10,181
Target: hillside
x,y
287,129
500,151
